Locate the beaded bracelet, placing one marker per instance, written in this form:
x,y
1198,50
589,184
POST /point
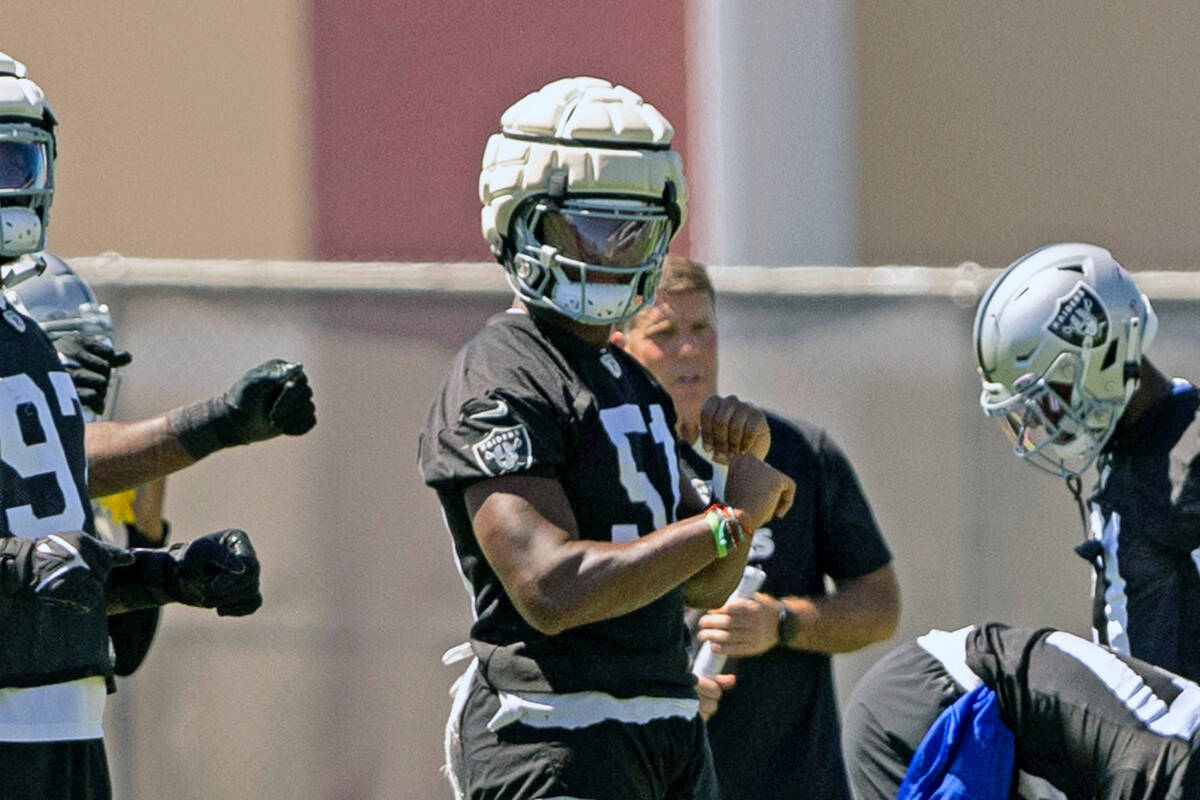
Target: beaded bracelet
x,y
726,530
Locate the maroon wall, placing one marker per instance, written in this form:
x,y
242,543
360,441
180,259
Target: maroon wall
x,y
407,92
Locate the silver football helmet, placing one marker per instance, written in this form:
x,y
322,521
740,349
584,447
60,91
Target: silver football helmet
x,y
61,302
581,196
28,149
1059,339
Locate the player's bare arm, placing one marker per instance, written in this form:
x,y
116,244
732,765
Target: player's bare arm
x,y
862,611
148,511
122,455
271,399
557,581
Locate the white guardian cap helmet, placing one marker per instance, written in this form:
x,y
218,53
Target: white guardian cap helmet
x,y
1059,339
581,196
27,152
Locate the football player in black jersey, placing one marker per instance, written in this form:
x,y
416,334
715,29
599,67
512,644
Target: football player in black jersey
x,y
58,581
994,711
780,639
1060,339
80,327
554,459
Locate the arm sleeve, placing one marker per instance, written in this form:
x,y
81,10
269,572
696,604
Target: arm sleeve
x,y
133,633
849,543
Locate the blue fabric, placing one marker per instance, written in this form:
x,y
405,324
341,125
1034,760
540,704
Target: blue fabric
x,y
967,754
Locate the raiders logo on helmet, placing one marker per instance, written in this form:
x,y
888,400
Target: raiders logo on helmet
x,y
504,450
1080,316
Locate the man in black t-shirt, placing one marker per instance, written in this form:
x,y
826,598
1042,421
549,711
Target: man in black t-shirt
x,y
554,459
1086,723
783,637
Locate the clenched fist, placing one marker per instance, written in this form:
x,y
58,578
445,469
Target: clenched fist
x,y
271,399
90,361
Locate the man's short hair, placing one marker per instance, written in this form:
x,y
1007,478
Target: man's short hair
x,y
681,275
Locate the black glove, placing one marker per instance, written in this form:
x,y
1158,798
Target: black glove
x,y
66,569
271,399
219,570
89,360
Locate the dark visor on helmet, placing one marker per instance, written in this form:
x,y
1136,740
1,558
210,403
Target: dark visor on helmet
x,y
604,238
23,165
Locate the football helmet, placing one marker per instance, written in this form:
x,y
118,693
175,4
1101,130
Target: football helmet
x,y
581,196
1059,339
28,149
61,302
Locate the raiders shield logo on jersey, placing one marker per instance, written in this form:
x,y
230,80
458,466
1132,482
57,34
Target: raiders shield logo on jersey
x,y
1080,316
14,320
504,450
611,364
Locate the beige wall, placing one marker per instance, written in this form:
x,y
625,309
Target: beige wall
x,y
988,129
184,125
335,689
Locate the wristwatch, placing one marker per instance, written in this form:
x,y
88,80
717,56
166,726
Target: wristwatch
x,y
789,624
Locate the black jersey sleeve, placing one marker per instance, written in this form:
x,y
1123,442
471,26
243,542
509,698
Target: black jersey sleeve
x,y
1087,719
849,543
505,408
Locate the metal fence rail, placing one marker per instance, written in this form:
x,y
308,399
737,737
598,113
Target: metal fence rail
x,y
963,284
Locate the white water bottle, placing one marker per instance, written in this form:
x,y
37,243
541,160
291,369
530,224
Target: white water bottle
x,y
707,662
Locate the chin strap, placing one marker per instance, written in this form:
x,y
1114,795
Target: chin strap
x,y
1076,486
1133,359
1091,551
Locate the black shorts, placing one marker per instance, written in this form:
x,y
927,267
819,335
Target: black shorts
x,y
75,770
664,759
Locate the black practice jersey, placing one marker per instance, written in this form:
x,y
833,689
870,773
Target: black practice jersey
x,y
776,735
43,487
526,397
1146,515
1092,722
1088,723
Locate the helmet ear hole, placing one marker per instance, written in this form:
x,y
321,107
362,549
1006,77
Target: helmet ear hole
x,y
671,203
1110,355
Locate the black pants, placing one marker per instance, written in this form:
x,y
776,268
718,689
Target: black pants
x,y
75,770
664,759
